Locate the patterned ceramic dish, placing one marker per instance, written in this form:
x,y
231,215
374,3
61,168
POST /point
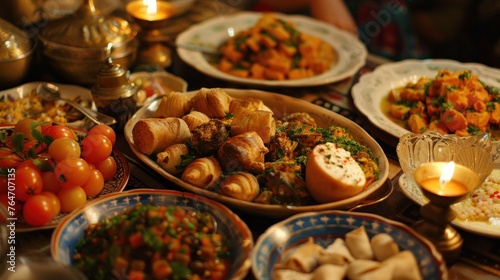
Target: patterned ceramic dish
x,y
280,105
213,32
71,229
324,227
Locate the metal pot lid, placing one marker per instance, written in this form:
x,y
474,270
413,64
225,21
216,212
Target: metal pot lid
x,y
86,27
14,42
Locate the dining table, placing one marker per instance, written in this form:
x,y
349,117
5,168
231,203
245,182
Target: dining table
x,y
480,256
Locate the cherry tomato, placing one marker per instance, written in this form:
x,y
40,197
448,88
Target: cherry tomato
x,y
54,200
8,159
62,148
61,131
72,172
28,182
108,168
96,148
50,182
71,199
38,210
94,184
24,126
104,130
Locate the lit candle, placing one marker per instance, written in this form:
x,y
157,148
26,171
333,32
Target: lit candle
x,y
150,10
445,185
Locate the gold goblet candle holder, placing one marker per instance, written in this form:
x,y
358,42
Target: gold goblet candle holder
x,y
444,184
151,16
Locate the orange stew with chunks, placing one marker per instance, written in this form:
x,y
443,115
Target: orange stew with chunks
x,y
454,102
154,242
274,49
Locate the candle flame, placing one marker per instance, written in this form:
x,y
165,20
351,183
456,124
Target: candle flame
x,y
151,6
447,173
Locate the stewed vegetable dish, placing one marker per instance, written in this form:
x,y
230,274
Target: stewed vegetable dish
x,y
154,242
454,102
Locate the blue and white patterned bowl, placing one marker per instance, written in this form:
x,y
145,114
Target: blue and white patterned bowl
x,y
325,226
72,228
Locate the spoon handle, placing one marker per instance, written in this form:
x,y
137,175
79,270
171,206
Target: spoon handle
x,y
97,117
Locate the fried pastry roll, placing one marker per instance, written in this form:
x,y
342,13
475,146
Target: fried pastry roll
x,y
383,246
260,121
362,269
202,172
358,243
245,152
336,253
212,102
171,158
304,257
330,272
195,118
153,135
290,274
404,266
240,185
173,104
247,103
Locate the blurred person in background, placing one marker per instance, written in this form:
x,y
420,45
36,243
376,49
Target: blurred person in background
x,y
463,30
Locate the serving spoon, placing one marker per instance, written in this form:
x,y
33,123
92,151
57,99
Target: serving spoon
x,y
50,92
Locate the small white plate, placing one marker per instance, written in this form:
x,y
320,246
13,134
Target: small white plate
x,y
374,87
213,32
413,192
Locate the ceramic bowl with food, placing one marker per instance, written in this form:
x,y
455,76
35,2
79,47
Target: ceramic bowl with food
x,y
281,243
151,85
232,232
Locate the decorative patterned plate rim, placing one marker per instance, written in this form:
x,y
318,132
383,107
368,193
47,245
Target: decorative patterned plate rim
x,y
372,87
352,53
413,192
114,185
263,209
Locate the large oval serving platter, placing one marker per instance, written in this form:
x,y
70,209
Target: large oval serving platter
x,y
281,105
214,32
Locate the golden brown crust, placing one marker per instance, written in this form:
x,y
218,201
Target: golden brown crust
x,y
202,172
152,135
173,104
213,102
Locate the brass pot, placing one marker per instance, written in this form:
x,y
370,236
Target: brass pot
x,y
77,45
16,55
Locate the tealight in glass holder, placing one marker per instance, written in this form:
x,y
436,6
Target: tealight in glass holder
x,y
152,16
446,168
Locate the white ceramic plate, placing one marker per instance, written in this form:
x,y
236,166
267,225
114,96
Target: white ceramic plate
x,y
212,33
281,105
373,87
413,192
67,91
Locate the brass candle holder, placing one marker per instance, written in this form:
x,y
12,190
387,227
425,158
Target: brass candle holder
x,y
444,184
151,16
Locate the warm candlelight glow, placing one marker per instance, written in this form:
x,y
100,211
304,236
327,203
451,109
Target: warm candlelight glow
x,y
450,188
150,10
151,4
447,173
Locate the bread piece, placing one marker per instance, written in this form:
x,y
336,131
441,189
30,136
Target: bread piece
x,y
332,174
153,135
212,102
173,104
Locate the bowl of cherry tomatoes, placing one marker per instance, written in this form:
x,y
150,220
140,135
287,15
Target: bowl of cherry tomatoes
x,y
47,170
